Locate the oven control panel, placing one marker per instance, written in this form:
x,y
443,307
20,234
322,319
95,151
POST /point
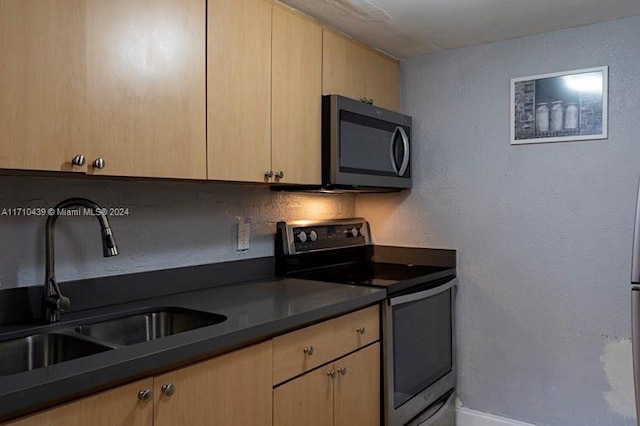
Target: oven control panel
x,y
309,236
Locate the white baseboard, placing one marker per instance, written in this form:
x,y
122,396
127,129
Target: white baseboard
x,y
468,417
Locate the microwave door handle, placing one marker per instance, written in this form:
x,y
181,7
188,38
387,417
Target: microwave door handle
x,y
405,158
392,145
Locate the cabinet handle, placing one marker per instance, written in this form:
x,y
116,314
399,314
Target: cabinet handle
x,y
78,160
370,101
168,389
279,175
342,371
364,100
331,373
99,163
268,174
308,350
145,395
360,330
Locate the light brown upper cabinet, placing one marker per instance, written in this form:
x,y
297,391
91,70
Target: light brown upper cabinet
x,y
42,84
119,85
296,98
381,80
239,90
358,72
146,88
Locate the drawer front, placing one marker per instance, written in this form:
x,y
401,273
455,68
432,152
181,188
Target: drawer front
x,y
302,350
356,330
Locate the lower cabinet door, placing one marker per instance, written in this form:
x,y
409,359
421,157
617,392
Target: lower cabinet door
x,y
357,388
305,401
232,389
120,406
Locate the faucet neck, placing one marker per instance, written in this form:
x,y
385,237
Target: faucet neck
x,y
53,300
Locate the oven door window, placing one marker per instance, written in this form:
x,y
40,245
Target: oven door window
x,y
422,344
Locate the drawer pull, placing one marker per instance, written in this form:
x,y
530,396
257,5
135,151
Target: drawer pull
x,y
169,389
78,160
308,350
331,373
360,330
99,163
342,371
145,395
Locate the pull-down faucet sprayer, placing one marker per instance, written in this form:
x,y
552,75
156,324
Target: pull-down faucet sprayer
x,y
54,302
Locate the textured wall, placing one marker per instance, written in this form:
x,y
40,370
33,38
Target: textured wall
x,y
543,231
169,225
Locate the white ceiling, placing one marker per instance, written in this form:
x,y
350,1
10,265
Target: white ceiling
x,y
407,28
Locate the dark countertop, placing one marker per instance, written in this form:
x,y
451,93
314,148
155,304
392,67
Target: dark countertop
x,y
255,311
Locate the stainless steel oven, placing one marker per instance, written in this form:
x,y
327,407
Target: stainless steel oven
x,y
418,315
419,354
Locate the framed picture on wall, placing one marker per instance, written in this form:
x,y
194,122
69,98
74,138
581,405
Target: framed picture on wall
x,y
559,107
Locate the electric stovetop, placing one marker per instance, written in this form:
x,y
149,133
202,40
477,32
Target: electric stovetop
x,y
340,251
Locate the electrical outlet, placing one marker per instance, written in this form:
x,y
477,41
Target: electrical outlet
x,y
244,236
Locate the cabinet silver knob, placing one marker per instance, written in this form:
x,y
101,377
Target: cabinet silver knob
x,y
308,350
99,163
78,160
364,100
279,175
342,371
360,330
370,101
168,389
331,373
145,395
268,174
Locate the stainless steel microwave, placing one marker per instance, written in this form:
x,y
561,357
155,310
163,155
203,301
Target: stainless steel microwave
x,y
364,147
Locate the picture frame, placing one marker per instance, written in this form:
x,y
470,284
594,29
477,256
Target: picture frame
x,y
560,107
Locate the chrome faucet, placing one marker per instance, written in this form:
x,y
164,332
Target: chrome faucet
x,y
54,302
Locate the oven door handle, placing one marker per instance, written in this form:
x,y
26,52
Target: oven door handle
x,y
434,415
400,300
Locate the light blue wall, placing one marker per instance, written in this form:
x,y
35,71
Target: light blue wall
x,y
170,224
543,231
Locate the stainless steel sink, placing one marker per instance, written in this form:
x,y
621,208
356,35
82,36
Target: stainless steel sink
x,y
43,350
148,325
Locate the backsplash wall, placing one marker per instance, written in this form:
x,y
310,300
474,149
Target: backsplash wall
x,y
543,231
169,224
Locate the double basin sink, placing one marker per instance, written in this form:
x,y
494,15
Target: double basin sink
x,y
45,349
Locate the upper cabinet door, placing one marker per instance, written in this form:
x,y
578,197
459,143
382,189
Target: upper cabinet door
x,y
239,90
342,66
146,87
42,84
381,80
296,97
353,70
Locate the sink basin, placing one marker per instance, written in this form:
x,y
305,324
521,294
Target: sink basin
x,y
148,325
43,350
